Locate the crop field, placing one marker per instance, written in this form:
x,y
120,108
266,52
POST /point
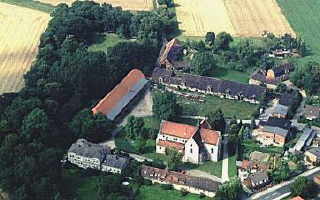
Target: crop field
x,y
250,18
241,18
20,30
138,5
196,18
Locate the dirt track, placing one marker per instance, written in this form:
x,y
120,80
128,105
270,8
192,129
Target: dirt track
x,y
20,30
137,5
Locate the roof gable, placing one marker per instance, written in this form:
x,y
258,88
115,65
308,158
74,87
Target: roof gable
x,y
177,129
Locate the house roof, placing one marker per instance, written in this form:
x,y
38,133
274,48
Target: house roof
x,y
170,46
204,83
87,149
277,122
186,131
297,198
179,178
177,129
275,130
306,135
280,109
260,75
113,103
209,136
311,111
115,161
258,177
245,164
315,151
171,144
283,69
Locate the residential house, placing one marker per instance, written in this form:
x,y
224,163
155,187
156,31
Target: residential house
x,y
257,181
305,140
180,181
274,131
121,95
197,144
169,55
297,198
86,155
271,77
209,85
311,112
279,111
312,156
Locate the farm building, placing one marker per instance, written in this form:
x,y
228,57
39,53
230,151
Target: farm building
x,y
169,54
180,181
304,140
209,85
120,96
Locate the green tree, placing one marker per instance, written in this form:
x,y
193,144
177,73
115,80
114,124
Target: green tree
x,y
94,128
210,37
165,105
203,63
300,186
174,158
223,41
216,120
229,191
135,127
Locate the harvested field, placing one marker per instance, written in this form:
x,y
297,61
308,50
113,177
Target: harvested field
x,y
250,18
20,30
196,18
137,5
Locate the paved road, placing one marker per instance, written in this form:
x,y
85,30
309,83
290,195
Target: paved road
x,y
225,175
281,190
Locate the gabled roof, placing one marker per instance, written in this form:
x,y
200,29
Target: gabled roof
x,y
204,83
277,122
170,144
177,129
315,151
169,47
258,177
260,75
276,130
311,111
280,109
283,69
115,161
186,131
87,149
297,198
209,136
113,103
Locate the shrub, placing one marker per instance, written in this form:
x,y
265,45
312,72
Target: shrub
x,y
166,187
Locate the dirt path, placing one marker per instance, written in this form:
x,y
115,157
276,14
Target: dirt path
x,y
198,173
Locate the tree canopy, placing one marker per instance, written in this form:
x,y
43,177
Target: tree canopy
x,y
165,105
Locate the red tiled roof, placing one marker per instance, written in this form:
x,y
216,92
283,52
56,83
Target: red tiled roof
x,y
171,144
117,93
178,130
245,164
297,198
209,136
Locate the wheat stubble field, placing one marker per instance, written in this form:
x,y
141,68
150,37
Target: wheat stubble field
x,y
20,30
197,17
241,18
137,5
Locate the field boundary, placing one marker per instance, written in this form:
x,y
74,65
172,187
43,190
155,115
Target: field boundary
x,y
36,5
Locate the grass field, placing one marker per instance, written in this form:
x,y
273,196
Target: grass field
x,y
138,5
304,17
106,41
196,19
155,192
20,30
231,75
250,18
230,108
232,168
30,4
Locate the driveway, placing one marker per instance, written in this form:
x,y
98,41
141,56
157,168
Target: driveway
x,y
225,162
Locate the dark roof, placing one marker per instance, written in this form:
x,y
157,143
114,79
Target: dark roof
x,y
115,161
283,69
173,177
260,75
203,83
287,99
276,130
90,150
258,177
277,122
315,151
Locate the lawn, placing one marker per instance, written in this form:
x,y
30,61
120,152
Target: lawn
x,y
105,41
304,17
231,75
131,146
232,168
213,168
250,146
31,4
230,108
155,192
